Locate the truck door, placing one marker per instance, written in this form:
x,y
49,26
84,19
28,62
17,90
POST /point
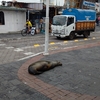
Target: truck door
x,y
70,25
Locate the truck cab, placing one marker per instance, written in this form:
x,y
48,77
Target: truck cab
x,y
63,26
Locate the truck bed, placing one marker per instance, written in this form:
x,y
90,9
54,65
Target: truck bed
x,y
85,26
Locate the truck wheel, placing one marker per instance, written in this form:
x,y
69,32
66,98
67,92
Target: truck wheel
x,y
86,34
58,37
89,33
72,36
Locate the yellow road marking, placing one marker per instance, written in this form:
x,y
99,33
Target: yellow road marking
x,y
93,38
76,40
36,45
52,43
65,41
85,39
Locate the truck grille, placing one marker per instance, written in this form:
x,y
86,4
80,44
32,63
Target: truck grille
x,y
57,31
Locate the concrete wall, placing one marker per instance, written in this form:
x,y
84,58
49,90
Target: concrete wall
x,y
55,2
14,21
29,1
36,6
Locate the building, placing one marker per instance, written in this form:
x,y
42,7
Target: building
x,y
82,4
12,19
72,4
36,9
88,4
18,12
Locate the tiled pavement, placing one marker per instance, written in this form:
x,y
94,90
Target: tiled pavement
x,y
14,44
77,79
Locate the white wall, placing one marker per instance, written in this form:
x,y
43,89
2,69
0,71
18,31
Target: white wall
x,y
56,2
36,6
14,21
27,1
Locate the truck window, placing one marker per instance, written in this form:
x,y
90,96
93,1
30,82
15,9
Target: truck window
x,y
70,20
59,20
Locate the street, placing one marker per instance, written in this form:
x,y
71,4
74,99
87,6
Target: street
x,y
16,47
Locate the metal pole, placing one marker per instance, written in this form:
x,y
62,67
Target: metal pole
x,y
28,15
47,28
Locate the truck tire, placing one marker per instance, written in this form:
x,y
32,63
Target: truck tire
x,y
86,34
58,37
72,36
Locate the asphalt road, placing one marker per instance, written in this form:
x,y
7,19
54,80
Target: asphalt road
x,y
14,47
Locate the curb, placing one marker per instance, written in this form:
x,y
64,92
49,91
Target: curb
x,y
17,37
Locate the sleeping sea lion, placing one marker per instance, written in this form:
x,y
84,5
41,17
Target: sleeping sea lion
x,y
41,66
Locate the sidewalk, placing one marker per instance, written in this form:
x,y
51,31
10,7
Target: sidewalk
x,y
17,35
77,79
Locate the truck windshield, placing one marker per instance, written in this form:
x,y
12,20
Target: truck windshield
x,y
59,20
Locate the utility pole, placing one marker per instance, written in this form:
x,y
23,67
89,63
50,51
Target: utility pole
x,y
47,29
28,14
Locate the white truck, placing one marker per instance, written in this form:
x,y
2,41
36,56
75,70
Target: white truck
x,y
73,22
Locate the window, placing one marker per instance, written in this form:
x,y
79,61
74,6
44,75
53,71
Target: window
x,y
2,18
70,20
59,20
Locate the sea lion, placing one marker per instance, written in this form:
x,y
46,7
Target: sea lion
x,y
41,66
